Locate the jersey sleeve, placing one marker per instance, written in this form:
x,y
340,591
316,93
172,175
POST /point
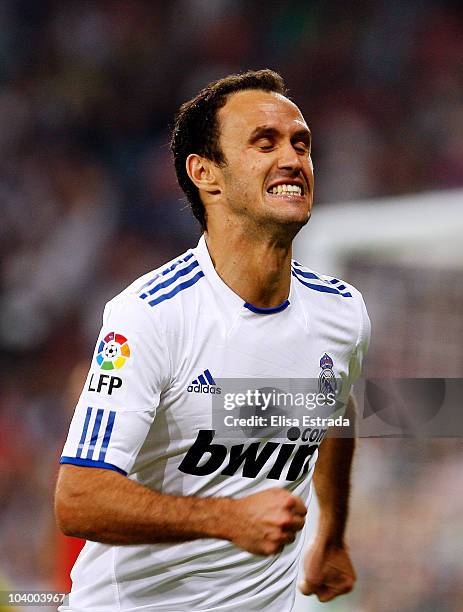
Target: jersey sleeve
x,y
130,368
359,350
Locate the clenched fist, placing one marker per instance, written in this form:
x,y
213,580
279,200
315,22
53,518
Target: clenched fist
x,y
328,572
263,523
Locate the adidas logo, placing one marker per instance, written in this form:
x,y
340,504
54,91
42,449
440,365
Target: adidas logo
x,y
204,384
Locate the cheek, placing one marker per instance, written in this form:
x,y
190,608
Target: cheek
x,y
309,170
245,175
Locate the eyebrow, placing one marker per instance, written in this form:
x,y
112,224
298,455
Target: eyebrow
x,y
265,131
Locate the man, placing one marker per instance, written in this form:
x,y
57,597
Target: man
x,y
176,518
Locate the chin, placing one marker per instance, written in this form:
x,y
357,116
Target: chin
x,y
289,211
287,225
291,216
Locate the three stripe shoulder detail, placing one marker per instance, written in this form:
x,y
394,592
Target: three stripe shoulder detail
x,y
184,273
92,447
317,282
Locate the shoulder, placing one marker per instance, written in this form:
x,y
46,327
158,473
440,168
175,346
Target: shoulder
x,y
322,283
153,296
334,295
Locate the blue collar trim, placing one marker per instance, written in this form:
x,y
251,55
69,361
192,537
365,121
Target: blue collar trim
x,y
266,311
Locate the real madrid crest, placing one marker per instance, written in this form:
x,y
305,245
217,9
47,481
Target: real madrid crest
x,y
326,379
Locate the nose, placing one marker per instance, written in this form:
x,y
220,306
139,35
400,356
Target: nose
x,y
289,159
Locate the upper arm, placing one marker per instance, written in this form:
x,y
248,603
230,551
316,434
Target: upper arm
x,y
129,370
74,481
75,486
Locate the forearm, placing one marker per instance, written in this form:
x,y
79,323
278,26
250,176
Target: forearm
x,y
121,511
332,483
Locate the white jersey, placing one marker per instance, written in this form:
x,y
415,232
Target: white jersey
x,y
147,412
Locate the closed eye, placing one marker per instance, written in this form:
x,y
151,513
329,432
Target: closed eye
x,y
265,144
302,147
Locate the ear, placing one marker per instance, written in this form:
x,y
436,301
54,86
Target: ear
x,y
202,173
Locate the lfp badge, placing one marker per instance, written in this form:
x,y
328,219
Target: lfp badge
x,y
327,379
113,352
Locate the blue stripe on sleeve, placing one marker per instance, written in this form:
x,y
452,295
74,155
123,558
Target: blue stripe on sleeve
x,y
91,463
107,435
84,432
96,429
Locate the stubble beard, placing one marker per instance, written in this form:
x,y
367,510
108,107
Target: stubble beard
x,y
259,222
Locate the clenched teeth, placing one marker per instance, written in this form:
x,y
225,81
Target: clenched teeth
x,y
286,189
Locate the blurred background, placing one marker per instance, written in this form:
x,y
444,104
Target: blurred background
x,y
89,201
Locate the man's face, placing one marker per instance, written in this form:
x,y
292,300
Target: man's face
x,y
268,176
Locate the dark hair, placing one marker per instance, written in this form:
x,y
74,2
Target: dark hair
x,y
197,130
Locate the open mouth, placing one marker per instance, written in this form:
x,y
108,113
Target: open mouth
x,y
285,189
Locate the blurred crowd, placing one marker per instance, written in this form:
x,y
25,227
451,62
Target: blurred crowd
x,y
406,526
89,199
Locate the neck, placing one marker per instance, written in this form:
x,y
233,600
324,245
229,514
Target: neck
x,y
258,269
